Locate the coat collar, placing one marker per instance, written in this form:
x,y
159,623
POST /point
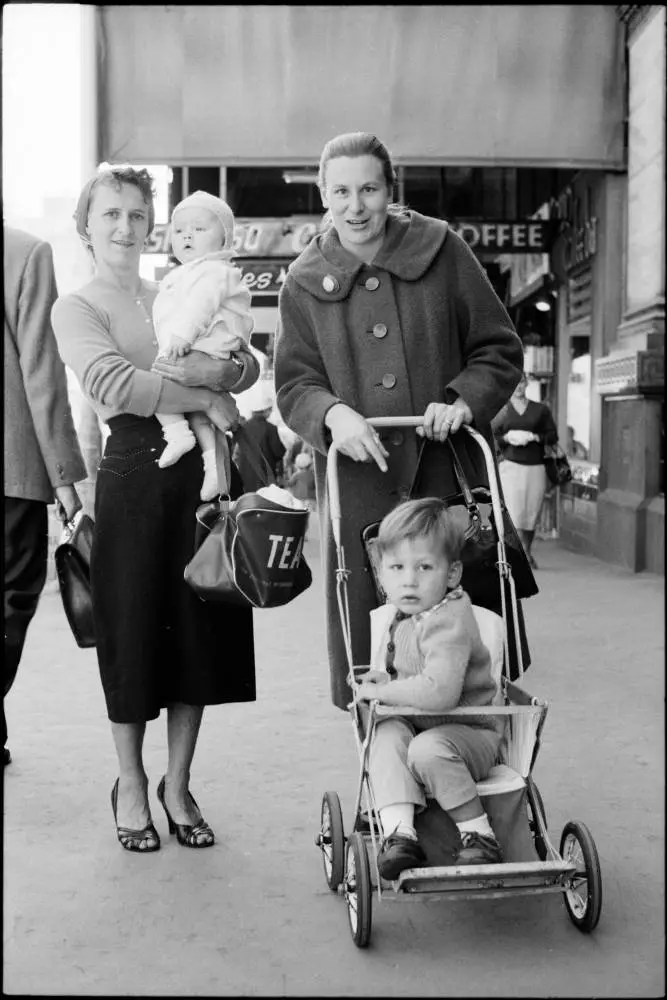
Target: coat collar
x,y
327,270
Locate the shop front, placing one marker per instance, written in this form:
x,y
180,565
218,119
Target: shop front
x,y
586,263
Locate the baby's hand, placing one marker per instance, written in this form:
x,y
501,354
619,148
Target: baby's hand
x,y
175,349
368,690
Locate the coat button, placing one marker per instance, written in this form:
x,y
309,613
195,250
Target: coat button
x,y
389,381
396,438
379,331
372,283
329,283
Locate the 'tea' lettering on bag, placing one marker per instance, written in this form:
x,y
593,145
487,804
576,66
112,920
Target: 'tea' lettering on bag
x,y
283,544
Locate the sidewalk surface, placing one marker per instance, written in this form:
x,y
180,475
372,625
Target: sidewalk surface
x,y
253,916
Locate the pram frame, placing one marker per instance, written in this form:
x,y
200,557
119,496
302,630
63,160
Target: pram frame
x,y
554,873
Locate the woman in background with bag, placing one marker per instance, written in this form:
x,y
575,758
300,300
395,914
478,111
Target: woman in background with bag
x,y
523,429
158,645
386,313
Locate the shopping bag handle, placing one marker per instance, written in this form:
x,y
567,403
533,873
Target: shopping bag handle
x,y
256,460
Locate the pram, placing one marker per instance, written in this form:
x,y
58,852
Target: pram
x,y
509,794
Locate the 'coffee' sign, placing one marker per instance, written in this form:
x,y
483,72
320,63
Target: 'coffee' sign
x,y
524,236
288,237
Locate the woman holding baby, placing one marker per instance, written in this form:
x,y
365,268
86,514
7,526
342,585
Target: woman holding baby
x,y
158,645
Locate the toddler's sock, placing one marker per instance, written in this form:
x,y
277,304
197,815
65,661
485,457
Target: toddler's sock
x,y
180,440
209,490
399,819
480,824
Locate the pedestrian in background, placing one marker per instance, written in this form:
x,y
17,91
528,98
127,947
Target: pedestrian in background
x,y
523,428
385,313
158,645
42,454
301,483
266,439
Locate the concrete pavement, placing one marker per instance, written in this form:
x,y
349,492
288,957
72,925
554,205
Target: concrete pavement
x,y
253,916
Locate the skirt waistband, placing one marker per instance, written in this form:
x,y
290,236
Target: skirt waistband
x,y
133,431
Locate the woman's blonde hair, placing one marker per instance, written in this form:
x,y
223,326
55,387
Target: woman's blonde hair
x,y
426,517
355,144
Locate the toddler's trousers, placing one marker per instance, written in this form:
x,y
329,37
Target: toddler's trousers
x,y
441,763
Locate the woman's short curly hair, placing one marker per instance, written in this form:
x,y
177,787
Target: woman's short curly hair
x,y
115,175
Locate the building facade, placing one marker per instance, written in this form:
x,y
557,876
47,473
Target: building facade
x,y
240,99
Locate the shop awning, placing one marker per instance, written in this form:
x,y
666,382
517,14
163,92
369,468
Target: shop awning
x,y
534,85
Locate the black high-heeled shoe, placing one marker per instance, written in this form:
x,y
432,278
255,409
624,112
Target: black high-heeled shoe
x,y
132,840
187,834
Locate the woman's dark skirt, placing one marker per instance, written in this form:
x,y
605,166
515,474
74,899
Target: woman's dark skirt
x,y
157,641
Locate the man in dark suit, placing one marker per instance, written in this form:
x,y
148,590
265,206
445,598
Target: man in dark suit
x,y
42,455
267,440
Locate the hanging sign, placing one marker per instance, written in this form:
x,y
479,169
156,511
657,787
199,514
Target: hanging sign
x,y
522,236
288,237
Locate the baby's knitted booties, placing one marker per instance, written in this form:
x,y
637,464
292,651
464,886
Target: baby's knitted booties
x,y
180,440
209,490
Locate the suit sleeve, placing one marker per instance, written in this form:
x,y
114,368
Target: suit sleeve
x,y
445,645
43,371
303,392
491,349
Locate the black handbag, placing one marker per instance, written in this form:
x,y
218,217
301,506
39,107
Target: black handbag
x,y
72,559
481,579
557,466
249,551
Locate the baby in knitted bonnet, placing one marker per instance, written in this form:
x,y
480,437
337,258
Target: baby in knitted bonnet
x,y
202,304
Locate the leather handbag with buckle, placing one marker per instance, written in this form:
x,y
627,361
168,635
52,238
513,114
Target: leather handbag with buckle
x,y
481,578
72,559
556,465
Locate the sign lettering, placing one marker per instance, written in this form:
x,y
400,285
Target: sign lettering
x,y
286,559
255,238
525,236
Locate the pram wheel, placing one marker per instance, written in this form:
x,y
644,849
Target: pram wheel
x,y
583,900
358,890
536,803
331,840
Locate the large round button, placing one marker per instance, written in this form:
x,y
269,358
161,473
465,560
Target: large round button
x,y
329,283
379,331
396,438
389,381
372,283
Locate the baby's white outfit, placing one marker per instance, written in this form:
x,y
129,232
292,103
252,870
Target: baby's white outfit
x,y
195,297
205,303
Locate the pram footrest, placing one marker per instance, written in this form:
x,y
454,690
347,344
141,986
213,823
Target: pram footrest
x,y
502,879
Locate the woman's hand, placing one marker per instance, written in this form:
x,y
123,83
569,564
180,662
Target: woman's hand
x,y
518,438
223,412
354,436
443,419
196,369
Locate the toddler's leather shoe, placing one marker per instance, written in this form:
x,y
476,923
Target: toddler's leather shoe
x,y
478,849
398,853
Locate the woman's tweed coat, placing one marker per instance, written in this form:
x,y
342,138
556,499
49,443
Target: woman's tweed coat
x,y
421,324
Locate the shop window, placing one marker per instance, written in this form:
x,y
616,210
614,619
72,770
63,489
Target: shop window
x,y
198,179
423,189
278,192
579,398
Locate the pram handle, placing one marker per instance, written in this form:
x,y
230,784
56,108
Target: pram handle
x,y
333,484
